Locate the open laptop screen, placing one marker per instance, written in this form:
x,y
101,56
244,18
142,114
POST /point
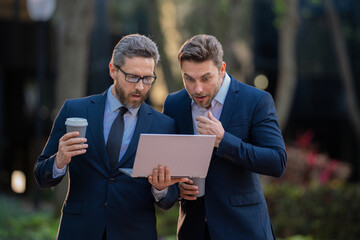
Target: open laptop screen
x,y
185,155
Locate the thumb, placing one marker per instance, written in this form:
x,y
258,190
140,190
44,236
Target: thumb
x,y
150,179
211,116
179,180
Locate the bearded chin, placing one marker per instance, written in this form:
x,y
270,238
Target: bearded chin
x,y
125,100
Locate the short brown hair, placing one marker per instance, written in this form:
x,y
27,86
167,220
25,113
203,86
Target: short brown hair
x,y
201,48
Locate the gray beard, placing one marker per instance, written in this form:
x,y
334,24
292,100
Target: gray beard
x,y
124,100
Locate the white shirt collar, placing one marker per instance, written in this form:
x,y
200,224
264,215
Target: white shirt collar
x,y
115,104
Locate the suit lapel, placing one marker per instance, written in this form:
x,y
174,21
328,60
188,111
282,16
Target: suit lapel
x,y
229,104
143,125
96,126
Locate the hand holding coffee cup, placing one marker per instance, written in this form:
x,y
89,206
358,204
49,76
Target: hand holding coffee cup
x,y
72,143
200,183
192,189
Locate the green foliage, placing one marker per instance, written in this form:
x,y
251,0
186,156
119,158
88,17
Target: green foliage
x,y
279,9
297,213
167,221
324,212
299,237
18,223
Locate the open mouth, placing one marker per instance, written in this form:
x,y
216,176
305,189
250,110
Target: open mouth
x,y
200,98
136,96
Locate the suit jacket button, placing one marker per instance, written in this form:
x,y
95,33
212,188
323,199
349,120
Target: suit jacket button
x,y
105,204
112,180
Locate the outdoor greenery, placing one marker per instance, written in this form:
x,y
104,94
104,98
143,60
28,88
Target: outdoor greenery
x,y
19,223
320,212
323,212
313,200
297,213
167,221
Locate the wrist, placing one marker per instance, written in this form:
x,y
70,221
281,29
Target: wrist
x,y
159,189
59,165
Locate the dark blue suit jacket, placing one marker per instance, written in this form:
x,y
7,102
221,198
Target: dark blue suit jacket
x,y
234,204
100,198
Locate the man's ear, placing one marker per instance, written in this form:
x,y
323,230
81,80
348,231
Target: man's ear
x,y
222,69
112,71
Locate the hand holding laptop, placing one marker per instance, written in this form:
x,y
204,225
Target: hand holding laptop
x,y
161,178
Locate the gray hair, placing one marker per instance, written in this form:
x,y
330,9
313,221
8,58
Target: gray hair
x,y
135,45
201,48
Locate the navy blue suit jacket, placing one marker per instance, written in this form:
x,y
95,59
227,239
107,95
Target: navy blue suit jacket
x,y
234,205
99,198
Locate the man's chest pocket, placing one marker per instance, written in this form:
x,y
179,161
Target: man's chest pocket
x,y
239,128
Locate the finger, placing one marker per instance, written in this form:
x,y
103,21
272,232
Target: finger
x,y
150,179
179,180
161,174
201,131
187,187
201,125
191,193
188,197
203,128
167,175
211,117
73,143
77,152
203,119
75,147
155,176
69,135
76,140
188,190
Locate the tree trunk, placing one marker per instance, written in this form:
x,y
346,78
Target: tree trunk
x,y
237,41
74,23
344,69
155,29
74,26
287,62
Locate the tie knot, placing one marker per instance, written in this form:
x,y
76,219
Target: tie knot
x,y
123,110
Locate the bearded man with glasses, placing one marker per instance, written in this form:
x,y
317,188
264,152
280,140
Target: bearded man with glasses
x,y
102,202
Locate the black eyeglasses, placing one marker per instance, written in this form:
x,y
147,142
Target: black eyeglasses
x,y
132,78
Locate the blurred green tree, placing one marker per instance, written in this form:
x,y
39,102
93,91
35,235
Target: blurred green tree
x,y
73,24
287,21
344,69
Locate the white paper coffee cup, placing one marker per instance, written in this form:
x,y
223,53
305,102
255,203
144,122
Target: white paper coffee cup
x,y
200,182
76,124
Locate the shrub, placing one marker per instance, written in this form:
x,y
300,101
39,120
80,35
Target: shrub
x,y
324,212
167,222
18,223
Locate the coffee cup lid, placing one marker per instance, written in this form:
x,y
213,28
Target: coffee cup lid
x,y
77,122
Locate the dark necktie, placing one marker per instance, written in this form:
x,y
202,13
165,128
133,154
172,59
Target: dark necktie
x,y
113,144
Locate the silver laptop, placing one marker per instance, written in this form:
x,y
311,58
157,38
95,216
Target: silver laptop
x,y
185,155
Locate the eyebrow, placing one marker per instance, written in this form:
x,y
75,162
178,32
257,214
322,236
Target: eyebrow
x,y
205,75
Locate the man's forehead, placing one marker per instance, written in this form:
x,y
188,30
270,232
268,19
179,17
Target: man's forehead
x,y
198,69
198,75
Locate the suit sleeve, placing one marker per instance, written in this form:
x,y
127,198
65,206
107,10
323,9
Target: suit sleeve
x,y
264,152
43,170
